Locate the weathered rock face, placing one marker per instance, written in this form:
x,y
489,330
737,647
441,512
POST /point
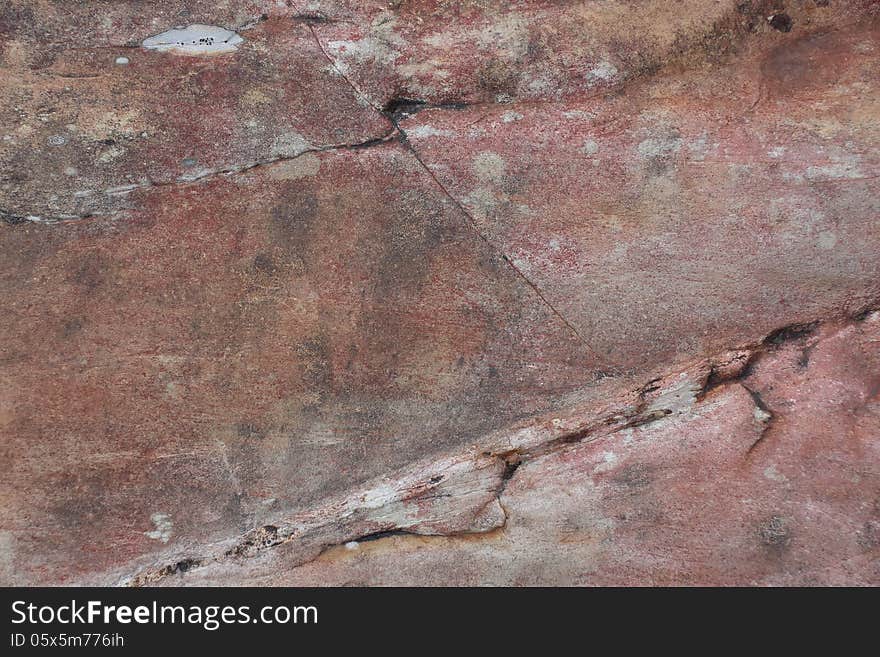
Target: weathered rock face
x,y
758,480
499,285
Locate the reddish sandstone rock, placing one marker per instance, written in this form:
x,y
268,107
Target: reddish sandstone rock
x,y
686,211
269,339
437,268
761,481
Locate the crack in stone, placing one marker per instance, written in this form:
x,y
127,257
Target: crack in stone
x,y
763,414
401,107
721,39
748,356
473,223
423,477
15,219
339,72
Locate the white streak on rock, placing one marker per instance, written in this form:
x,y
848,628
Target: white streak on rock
x,y
195,40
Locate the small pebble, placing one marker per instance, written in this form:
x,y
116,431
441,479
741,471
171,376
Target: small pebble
x,y
122,61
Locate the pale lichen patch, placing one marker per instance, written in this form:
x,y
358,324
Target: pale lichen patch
x,y
162,527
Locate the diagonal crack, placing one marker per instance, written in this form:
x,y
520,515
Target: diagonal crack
x,y
470,218
392,114
763,414
339,72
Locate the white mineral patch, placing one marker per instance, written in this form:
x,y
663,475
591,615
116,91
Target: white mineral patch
x,y
771,473
163,527
602,72
589,147
423,131
195,40
304,166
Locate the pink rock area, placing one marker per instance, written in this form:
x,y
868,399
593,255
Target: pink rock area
x,y
764,480
456,293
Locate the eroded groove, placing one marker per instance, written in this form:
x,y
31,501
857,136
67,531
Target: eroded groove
x,y
750,355
401,107
789,333
267,537
14,219
377,536
306,17
719,42
181,566
249,24
314,18
763,414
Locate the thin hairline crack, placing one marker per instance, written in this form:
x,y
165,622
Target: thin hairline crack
x,y
404,139
17,218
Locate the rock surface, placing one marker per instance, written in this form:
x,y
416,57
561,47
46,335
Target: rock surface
x,y
440,292
758,480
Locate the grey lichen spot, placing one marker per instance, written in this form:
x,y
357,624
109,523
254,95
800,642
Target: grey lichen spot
x,y
658,150
489,167
761,416
775,533
634,476
602,72
659,147
868,537
289,144
195,40
589,147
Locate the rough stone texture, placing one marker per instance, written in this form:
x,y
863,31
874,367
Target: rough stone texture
x,y
527,293
761,480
